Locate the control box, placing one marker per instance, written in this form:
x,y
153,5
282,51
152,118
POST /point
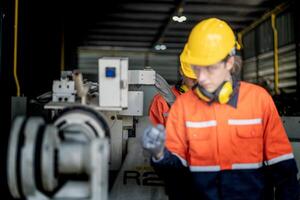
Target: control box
x,y
113,83
141,77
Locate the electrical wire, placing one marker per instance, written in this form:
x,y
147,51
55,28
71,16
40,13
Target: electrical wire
x,y
16,47
276,64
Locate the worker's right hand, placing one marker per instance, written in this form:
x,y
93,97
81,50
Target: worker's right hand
x,y
153,140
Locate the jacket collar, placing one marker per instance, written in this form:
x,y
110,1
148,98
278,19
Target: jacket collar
x,y
234,98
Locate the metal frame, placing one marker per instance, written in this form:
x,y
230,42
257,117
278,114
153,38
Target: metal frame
x,y
39,159
296,15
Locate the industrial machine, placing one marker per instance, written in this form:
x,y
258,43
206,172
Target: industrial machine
x,y
70,157
64,160
64,89
90,125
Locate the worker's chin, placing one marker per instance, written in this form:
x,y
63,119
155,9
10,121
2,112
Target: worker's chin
x,y
210,89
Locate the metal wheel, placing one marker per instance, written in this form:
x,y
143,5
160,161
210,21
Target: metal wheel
x,y
79,119
16,141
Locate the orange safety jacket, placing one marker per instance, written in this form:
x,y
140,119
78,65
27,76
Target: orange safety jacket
x,y
177,188
159,108
233,151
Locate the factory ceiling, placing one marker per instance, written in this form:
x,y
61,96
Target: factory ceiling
x,y
148,25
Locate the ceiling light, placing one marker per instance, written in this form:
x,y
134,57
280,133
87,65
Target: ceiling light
x,y
182,18
159,47
179,17
163,47
175,18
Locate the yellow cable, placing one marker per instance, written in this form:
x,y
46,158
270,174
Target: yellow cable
x,y
16,47
276,65
240,40
278,9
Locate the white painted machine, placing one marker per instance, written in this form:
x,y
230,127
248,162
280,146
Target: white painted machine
x,y
64,160
70,158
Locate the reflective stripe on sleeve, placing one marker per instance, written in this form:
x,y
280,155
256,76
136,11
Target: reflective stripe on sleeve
x,y
244,121
279,159
202,124
213,168
247,165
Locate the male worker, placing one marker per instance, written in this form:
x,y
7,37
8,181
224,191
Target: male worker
x,y
177,187
228,132
159,108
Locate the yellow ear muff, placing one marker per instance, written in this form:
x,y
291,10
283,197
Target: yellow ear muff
x,y
183,88
221,95
203,94
224,93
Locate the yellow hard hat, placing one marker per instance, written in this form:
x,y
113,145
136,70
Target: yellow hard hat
x,y
209,42
186,68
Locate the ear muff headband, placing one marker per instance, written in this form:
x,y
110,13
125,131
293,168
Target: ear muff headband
x,y
201,95
224,93
204,94
221,95
183,88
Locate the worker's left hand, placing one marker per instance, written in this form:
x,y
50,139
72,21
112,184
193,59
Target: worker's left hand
x,y
153,140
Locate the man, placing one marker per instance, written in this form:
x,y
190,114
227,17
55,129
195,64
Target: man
x,y
159,108
177,187
227,132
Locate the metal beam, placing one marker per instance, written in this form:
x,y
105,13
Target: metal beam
x,y
198,7
167,51
229,17
175,40
150,6
177,33
134,16
232,2
278,9
164,28
118,24
189,25
295,13
120,38
177,45
118,43
122,31
87,47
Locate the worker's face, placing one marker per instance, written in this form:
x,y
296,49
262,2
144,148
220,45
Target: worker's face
x,y
189,82
212,76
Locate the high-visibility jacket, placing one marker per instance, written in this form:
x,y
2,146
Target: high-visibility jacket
x,y
233,152
159,108
177,188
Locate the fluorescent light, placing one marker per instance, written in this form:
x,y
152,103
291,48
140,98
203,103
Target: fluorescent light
x,y
163,47
159,47
179,18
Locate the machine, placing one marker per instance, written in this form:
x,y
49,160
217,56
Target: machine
x,y
63,160
70,157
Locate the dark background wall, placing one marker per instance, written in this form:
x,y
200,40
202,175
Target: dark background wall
x,y
5,86
42,27
39,50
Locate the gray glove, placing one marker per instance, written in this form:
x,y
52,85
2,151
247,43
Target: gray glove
x,y
153,139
